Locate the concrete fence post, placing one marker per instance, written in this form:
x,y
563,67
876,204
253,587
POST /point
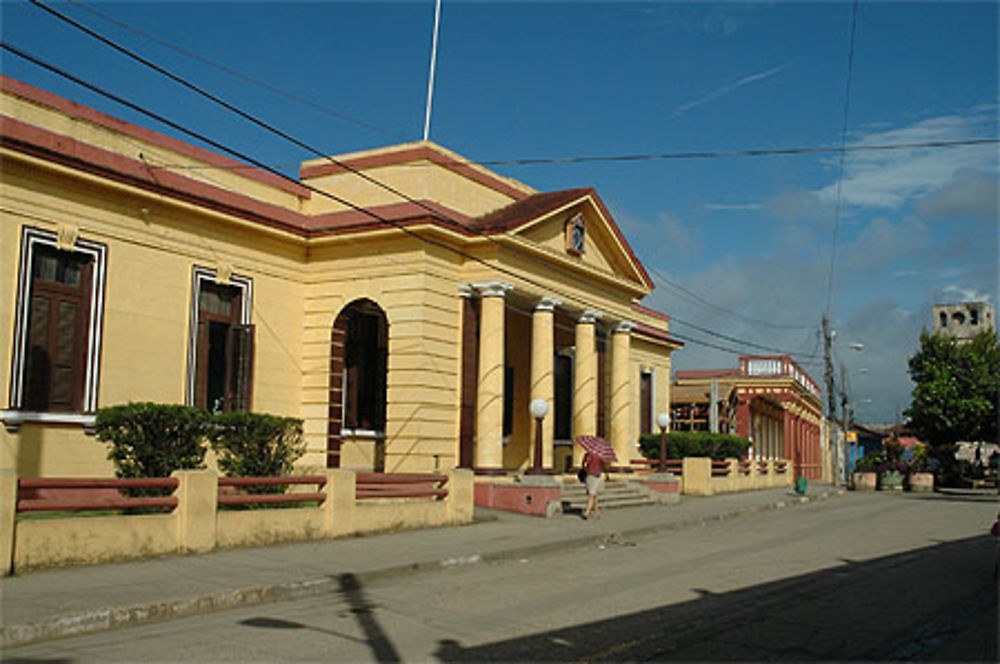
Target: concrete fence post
x,y
735,479
340,505
8,519
754,479
460,500
772,477
198,499
697,476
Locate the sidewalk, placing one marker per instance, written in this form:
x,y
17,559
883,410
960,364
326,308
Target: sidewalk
x,y
56,603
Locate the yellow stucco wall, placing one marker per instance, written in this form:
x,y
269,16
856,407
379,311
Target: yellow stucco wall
x,y
154,154
416,286
300,285
150,259
419,180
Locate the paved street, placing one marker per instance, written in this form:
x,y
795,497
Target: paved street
x,y
866,576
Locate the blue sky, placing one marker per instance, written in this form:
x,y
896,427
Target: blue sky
x,y
749,237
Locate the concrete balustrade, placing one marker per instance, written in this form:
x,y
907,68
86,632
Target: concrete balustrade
x,y
697,478
196,525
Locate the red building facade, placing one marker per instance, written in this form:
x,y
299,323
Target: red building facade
x,y
778,407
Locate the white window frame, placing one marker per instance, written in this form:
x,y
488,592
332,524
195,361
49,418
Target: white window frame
x,y
200,275
31,238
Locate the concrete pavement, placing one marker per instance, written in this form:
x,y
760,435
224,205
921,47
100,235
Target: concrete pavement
x,y
63,602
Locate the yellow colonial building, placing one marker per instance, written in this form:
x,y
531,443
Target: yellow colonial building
x,y
405,302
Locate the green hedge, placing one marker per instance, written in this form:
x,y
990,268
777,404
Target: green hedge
x,y
256,445
153,440
680,444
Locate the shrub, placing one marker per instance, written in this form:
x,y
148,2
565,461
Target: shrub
x,y
871,462
680,444
256,445
152,440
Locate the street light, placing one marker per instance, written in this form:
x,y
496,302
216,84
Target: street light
x,y
663,421
539,409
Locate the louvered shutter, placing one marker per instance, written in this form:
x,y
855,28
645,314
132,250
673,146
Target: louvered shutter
x,y
240,367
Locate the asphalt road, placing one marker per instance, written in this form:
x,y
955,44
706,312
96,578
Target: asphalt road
x,y
862,577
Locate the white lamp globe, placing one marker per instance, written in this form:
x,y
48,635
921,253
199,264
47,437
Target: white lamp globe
x,y
539,408
663,420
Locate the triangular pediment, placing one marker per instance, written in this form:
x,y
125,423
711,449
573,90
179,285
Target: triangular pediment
x,y
550,221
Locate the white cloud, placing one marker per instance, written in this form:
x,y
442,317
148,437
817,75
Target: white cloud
x,y
890,179
731,207
726,89
965,294
971,194
674,233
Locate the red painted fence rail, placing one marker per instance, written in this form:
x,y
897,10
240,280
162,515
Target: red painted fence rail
x,y
400,485
720,469
672,465
229,490
100,500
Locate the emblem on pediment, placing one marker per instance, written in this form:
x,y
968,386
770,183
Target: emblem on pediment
x,y
576,234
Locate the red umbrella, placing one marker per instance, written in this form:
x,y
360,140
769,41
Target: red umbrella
x,y
597,446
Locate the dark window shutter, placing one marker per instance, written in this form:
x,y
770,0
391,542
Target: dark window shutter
x,y
38,376
240,370
201,364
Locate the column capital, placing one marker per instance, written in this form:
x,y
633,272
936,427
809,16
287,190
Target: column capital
x,y
492,288
590,316
466,290
548,303
624,327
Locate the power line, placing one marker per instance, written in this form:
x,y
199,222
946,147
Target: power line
x,y
703,154
695,298
220,146
303,145
201,137
840,173
237,74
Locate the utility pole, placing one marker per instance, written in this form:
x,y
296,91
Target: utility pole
x,y
831,398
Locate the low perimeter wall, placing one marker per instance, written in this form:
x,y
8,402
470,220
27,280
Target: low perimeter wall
x,y
700,476
197,525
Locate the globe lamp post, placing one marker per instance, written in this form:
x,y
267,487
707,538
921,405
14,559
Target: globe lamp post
x,y
539,409
663,421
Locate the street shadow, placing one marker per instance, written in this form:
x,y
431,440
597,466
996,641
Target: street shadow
x,y
863,610
363,611
378,641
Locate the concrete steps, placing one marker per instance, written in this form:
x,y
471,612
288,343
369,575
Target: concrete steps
x,y
616,494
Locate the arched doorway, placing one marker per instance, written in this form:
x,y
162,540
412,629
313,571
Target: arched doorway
x,y
359,352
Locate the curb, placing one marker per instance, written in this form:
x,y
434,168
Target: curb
x,y
90,622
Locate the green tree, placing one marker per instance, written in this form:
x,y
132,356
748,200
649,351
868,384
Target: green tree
x,y
957,387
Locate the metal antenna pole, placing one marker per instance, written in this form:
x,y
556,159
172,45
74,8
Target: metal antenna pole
x,y
430,79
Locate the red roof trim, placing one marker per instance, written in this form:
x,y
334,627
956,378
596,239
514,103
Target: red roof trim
x,y
30,139
68,151
88,114
650,312
413,154
394,212
654,333
696,374
621,238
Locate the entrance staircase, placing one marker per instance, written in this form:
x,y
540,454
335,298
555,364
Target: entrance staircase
x,y
616,494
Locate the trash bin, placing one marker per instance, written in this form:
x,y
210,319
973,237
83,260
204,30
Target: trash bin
x,y
801,484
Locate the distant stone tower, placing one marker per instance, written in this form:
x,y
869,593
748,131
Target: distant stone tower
x,y
964,320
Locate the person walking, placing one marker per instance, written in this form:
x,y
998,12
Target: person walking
x,y
596,472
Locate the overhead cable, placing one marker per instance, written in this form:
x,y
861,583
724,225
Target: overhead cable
x,y
237,74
